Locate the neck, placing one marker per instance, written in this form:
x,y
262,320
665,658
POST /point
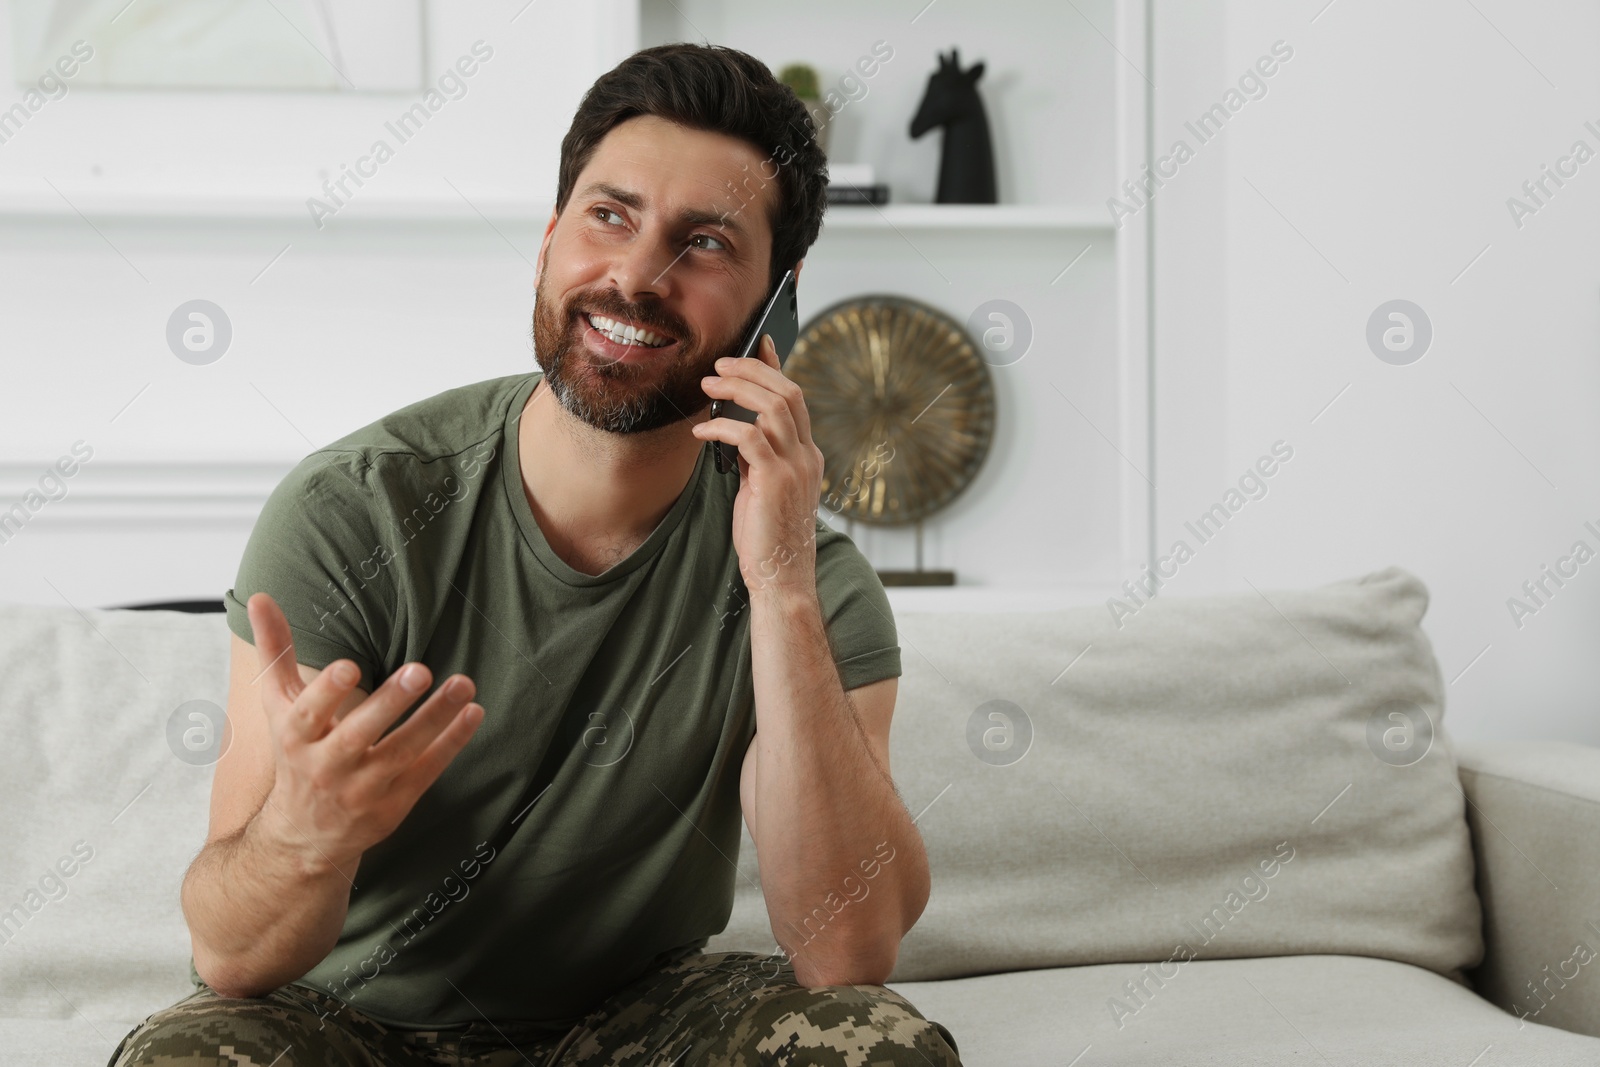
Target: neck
x,y
591,488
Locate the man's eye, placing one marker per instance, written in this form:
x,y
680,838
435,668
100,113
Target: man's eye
x,y
607,211
708,237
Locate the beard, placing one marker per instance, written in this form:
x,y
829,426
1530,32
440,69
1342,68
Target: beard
x,y
625,398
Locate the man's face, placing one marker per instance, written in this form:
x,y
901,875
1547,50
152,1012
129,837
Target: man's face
x,y
666,230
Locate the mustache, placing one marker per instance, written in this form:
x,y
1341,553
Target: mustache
x,y
613,306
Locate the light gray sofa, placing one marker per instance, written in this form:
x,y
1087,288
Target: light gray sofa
x,y
1228,830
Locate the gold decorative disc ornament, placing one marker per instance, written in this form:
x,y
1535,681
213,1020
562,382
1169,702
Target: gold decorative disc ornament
x,y
902,407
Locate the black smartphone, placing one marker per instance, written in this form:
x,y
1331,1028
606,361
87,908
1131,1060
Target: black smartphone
x,y
781,319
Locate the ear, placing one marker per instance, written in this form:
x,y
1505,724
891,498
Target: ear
x,y
544,245
976,72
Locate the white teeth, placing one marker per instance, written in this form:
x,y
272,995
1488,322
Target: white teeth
x,y
626,335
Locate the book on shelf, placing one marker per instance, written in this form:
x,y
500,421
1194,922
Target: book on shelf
x,y
858,194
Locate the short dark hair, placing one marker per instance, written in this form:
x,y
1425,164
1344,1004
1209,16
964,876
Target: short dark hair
x,y
724,90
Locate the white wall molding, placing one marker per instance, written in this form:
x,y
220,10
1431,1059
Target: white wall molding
x,y
107,492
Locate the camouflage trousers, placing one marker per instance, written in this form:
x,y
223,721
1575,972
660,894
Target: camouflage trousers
x,y
719,1009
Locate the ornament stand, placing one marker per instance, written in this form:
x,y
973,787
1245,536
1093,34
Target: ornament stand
x,y
913,577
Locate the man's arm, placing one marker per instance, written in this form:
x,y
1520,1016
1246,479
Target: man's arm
x,y
843,868
305,786
259,914
822,810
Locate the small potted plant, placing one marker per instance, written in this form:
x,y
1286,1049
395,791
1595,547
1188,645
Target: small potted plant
x,y
802,78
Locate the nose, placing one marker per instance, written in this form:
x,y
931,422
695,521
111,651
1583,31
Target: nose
x,y
642,270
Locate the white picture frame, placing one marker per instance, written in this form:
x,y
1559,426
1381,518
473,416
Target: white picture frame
x,y
328,45
491,142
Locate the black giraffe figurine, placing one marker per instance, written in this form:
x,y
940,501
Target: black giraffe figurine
x,y
966,159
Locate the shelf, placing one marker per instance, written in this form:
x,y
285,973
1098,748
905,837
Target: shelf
x,y
168,206
46,203
984,599
964,217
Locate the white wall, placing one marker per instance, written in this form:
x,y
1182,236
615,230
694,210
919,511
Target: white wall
x,y
1377,167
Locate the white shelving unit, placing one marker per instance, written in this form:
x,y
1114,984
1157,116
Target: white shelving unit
x,y
964,217
952,256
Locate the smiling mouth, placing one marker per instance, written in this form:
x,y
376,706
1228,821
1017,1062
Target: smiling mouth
x,y
621,333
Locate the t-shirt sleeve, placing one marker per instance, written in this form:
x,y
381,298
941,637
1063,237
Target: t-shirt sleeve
x,y
855,608
315,550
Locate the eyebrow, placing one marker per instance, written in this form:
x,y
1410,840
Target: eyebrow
x,y
688,216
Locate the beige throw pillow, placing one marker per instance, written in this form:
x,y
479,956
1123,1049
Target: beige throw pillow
x,y
1250,774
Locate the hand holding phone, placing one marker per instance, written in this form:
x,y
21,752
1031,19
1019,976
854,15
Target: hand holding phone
x,y
780,319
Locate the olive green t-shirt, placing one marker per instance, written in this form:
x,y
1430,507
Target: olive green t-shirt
x,y
412,539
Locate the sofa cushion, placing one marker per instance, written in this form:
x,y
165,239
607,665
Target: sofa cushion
x,y
1265,1012
1209,777
95,788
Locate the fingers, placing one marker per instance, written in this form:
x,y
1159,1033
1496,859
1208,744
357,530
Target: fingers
x,y
305,713
299,712
317,709
746,437
274,647
754,388
437,756
407,742
361,728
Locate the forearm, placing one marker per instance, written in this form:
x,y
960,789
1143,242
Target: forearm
x,y
260,912
843,866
